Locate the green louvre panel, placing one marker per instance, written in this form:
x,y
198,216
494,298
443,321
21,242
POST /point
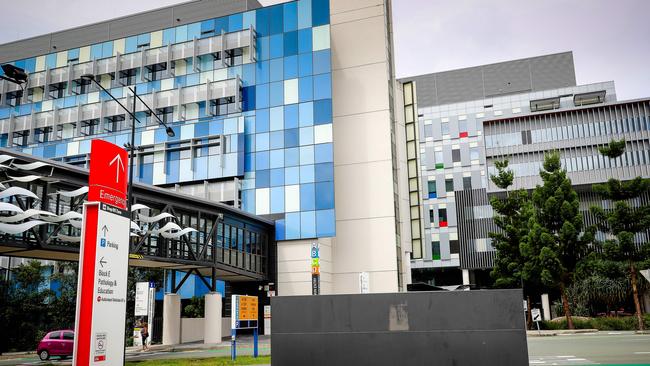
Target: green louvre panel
x,y
440,165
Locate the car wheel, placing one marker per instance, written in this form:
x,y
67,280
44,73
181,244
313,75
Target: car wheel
x,y
44,355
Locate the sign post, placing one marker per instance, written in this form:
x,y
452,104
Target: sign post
x,y
145,305
537,316
103,261
243,315
315,269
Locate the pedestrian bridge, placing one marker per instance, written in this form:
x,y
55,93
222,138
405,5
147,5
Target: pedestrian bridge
x,y
40,217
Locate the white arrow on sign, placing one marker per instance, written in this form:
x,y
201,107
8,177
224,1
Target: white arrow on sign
x,y
119,166
646,274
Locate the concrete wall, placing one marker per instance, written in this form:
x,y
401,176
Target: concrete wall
x,y
192,329
366,238
414,328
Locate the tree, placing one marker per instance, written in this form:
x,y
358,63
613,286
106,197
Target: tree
x,y
512,213
555,241
623,221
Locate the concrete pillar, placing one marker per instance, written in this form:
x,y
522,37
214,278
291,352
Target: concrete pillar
x,y
171,319
465,276
212,325
546,307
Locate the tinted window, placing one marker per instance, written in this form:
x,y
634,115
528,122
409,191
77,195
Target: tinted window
x,y
55,335
68,335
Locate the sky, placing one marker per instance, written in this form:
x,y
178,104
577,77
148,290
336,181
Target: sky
x,y
610,39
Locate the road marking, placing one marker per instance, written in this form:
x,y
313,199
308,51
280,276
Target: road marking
x,y
642,353
576,359
565,356
614,333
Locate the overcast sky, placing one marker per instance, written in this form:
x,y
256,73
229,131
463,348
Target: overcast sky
x,y
610,39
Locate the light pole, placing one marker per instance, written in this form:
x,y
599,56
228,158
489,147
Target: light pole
x,y
131,145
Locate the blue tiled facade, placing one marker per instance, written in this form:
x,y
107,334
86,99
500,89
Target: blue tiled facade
x,y
278,140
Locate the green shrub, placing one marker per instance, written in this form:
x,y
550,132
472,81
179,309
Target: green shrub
x,y
600,323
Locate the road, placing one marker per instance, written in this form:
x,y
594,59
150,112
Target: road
x,y
614,348
589,349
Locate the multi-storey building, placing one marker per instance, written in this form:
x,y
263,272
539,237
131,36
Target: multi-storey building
x,y
291,112
456,112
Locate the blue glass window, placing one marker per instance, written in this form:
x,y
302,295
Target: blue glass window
x,y
277,72
276,46
304,14
291,157
262,96
248,74
277,118
107,49
305,88
96,51
308,224
322,61
306,155
306,114
73,54
292,225
277,177
169,36
235,22
325,223
50,60
322,86
307,174
291,175
249,19
320,12
305,41
323,153
207,28
131,44
144,39
181,33
305,64
291,116
277,139
262,160
277,200
263,48
277,159
262,22
322,111
291,43
261,141
193,31
262,178
248,200
307,197
276,94
291,137
324,172
290,16
248,96
306,136
280,227
249,162
276,24
262,120
291,67
324,195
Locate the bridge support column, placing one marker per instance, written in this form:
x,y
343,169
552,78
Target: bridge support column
x,y
171,319
212,326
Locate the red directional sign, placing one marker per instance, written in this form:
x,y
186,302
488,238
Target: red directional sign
x,y
108,179
103,261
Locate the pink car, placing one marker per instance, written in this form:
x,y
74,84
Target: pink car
x,y
56,343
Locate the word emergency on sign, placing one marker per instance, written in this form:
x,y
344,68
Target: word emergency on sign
x,y
103,261
315,269
243,315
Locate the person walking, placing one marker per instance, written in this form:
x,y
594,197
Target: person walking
x,y
144,334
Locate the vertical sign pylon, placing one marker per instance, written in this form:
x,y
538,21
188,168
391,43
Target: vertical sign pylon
x,y
103,261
